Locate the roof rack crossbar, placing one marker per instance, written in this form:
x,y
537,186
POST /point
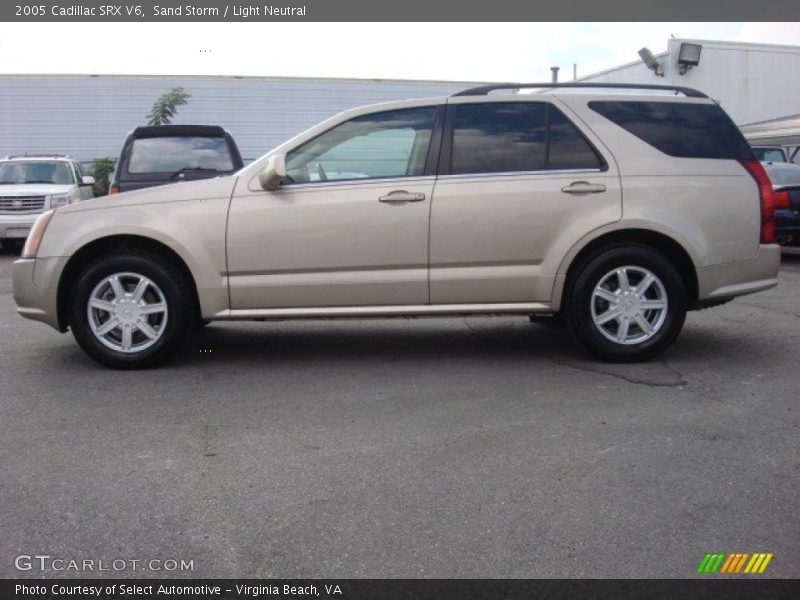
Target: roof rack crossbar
x,y
485,89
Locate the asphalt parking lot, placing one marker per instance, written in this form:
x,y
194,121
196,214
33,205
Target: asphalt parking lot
x,y
407,448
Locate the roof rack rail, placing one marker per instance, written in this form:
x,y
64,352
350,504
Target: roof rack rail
x,y
485,89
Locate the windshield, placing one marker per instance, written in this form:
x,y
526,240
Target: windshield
x,y
172,154
39,171
770,154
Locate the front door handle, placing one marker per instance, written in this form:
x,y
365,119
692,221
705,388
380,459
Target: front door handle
x,y
582,188
400,196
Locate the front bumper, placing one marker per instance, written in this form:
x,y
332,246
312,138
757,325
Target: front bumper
x,y
36,288
16,226
719,282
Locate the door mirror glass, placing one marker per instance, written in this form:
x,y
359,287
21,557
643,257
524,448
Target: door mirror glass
x,y
274,173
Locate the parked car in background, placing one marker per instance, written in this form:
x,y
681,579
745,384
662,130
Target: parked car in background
x,y
785,178
618,211
770,154
30,185
162,154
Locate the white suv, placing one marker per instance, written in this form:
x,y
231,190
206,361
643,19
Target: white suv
x,y
29,185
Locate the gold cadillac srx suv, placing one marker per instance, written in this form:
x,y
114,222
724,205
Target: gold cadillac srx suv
x,y
615,210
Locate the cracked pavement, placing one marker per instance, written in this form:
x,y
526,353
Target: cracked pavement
x,y
479,447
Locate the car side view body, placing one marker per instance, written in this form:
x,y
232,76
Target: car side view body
x,y
617,211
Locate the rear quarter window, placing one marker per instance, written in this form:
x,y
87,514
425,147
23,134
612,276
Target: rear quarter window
x,y
682,130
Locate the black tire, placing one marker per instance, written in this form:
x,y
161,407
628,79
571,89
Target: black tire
x,y
580,302
172,283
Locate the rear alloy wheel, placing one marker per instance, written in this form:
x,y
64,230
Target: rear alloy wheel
x,y
131,311
627,304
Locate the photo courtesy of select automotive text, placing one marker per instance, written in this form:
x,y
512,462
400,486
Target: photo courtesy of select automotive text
x,y
440,300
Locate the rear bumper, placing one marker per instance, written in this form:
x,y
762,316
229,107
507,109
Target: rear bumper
x,y
35,288
16,226
736,279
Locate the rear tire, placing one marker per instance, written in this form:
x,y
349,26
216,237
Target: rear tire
x,y
626,303
132,310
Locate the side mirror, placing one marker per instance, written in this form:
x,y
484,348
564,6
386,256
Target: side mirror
x,y
274,173
87,180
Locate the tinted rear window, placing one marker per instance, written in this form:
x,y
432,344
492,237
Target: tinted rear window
x,y
503,137
171,154
679,129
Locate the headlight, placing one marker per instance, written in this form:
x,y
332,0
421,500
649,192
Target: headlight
x,y
57,200
35,236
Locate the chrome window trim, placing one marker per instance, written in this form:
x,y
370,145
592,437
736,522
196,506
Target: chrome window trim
x,y
362,181
522,173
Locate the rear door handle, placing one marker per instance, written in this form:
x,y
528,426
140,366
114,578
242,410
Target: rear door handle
x,y
582,188
400,196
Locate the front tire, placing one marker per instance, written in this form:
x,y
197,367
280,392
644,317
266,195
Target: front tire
x,y
132,310
627,303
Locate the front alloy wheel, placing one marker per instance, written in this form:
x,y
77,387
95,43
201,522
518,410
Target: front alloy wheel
x,y
131,310
127,312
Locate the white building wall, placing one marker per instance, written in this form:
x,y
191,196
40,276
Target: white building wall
x,y
88,116
753,82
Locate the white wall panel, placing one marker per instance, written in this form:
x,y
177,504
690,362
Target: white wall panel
x,y
753,82
88,116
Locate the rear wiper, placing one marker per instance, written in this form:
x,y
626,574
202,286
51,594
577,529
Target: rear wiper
x,y
187,169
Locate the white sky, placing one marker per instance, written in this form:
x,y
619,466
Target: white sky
x,y
448,51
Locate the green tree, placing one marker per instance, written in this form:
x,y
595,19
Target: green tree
x,y
101,170
166,106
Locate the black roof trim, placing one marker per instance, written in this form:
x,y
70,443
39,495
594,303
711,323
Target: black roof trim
x,y
485,89
175,130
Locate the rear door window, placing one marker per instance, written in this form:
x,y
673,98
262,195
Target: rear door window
x,y
507,137
177,153
679,129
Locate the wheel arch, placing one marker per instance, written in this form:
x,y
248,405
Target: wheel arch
x,y
114,244
673,250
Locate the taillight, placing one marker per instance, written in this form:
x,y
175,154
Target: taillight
x,y
113,190
781,199
766,198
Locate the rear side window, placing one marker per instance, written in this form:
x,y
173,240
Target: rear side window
x,y
501,137
679,129
176,153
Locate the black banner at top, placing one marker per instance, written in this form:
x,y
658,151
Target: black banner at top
x,y
399,10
